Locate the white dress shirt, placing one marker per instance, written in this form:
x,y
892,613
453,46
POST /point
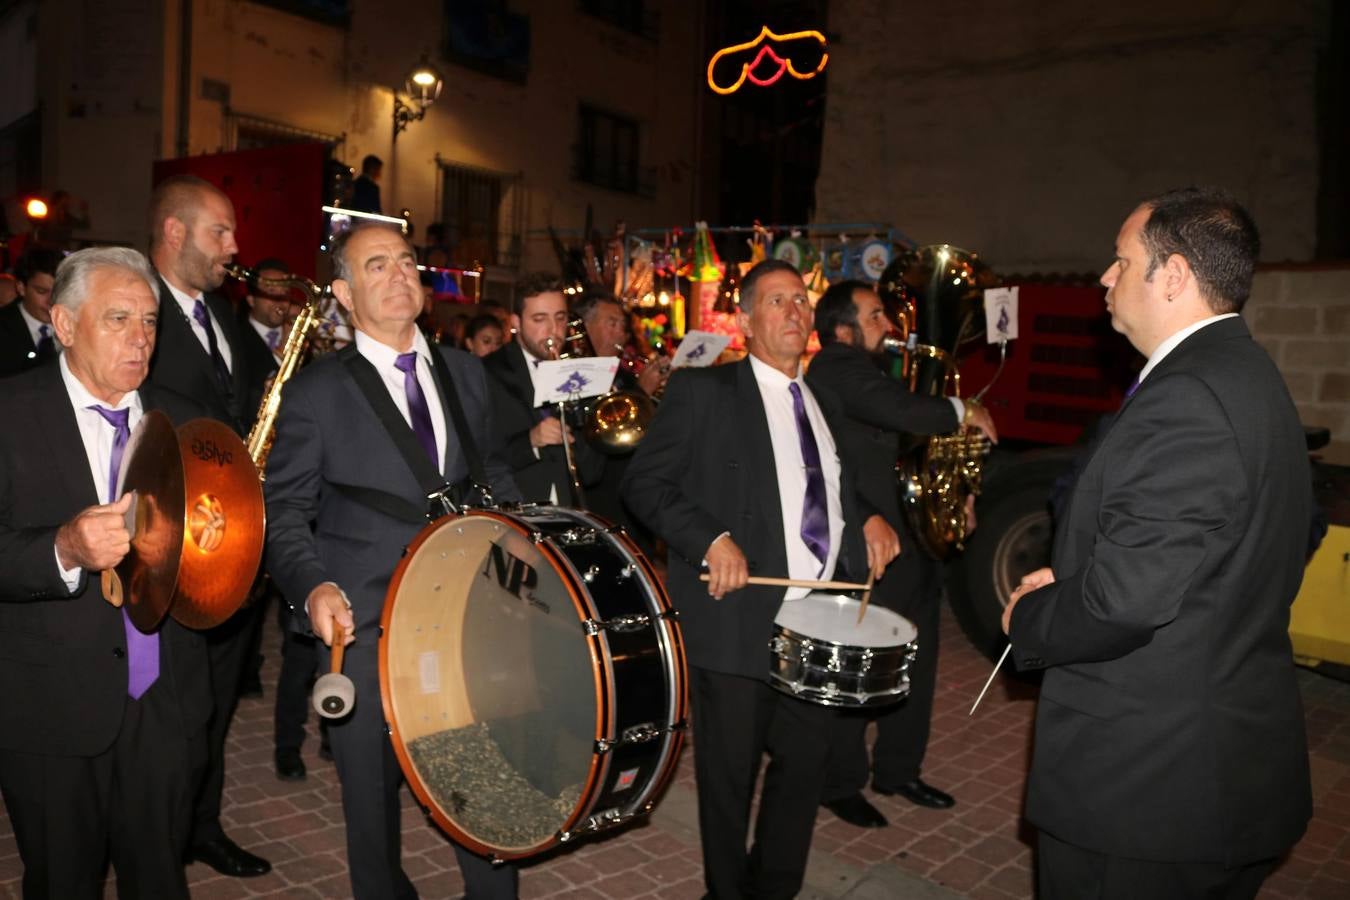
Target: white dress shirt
x,y
97,436
791,472
186,304
384,359
1171,343
530,362
35,328
263,332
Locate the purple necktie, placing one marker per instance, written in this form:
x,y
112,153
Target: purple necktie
x,y
273,339
417,405
217,360
815,516
142,649
45,345
1134,386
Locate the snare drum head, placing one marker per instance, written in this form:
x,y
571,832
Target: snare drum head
x,y
834,618
488,684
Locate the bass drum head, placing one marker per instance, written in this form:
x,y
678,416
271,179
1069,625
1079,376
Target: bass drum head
x,y
488,684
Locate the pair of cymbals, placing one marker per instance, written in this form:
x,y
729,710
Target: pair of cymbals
x,y
197,524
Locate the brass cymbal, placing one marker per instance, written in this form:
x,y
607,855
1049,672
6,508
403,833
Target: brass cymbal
x,y
154,470
223,524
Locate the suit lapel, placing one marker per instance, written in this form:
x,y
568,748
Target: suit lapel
x,y
56,422
13,322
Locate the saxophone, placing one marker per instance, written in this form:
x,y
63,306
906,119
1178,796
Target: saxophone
x,y
264,427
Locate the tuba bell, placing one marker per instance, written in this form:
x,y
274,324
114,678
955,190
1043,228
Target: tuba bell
x,y
936,293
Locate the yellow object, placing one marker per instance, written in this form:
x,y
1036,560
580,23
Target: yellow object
x,y
677,315
784,64
1319,622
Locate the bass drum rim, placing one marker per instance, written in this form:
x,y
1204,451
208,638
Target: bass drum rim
x,y
602,666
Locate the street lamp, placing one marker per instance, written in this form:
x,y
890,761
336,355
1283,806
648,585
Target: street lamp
x,y
422,86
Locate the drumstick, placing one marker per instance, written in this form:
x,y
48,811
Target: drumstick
x,y
867,595
998,665
800,582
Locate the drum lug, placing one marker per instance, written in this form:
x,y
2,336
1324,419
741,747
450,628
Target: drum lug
x,y
601,821
618,624
589,575
641,733
577,536
627,571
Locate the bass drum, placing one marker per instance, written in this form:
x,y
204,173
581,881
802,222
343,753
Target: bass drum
x,y
533,678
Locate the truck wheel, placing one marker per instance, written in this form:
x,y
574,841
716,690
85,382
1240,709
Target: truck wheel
x,y
1013,537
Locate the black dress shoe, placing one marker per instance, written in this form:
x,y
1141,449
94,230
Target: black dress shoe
x,y
290,767
917,792
855,810
228,858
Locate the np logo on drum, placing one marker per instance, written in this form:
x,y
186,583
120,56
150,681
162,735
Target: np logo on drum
x,y
514,575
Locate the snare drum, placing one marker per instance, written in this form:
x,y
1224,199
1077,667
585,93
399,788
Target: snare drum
x,y
533,677
820,652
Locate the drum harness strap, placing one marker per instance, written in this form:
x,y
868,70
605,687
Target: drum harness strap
x,y
441,495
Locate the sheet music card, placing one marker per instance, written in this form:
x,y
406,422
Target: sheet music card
x,y
556,380
1000,314
699,349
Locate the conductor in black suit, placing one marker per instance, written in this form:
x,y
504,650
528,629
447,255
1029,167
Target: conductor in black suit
x,y
880,413
1170,755
740,471
531,437
343,500
199,355
26,335
102,727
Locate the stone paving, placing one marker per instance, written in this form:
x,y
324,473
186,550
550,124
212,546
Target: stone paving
x,y
979,849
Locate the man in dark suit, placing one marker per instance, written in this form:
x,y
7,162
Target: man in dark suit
x,y
366,187
268,313
199,355
1170,756
851,322
531,437
343,500
606,326
26,336
740,471
102,727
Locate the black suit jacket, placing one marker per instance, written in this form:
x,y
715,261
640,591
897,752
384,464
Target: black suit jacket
x,y
183,366
878,411
63,656
259,361
1170,725
706,467
515,414
18,353
328,437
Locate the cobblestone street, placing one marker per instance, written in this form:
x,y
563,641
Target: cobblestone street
x,y
979,849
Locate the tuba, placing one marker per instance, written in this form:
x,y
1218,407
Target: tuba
x,y
939,292
297,342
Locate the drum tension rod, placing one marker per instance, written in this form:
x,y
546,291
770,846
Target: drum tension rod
x,y
637,734
621,624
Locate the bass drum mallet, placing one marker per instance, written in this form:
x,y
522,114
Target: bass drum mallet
x,y
334,693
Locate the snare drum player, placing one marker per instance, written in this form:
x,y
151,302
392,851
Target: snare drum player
x,y
1170,754
740,472
345,495
851,322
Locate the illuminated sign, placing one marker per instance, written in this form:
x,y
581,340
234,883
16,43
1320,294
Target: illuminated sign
x,y
766,67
